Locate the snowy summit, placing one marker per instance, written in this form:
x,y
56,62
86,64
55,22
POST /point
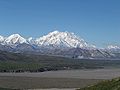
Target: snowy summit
x,y
54,39
15,39
61,39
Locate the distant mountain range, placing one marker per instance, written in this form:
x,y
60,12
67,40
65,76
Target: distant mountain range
x,y
59,44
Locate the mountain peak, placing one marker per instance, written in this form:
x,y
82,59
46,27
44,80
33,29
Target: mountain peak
x,y
55,39
58,32
61,39
113,47
15,39
54,32
1,39
16,35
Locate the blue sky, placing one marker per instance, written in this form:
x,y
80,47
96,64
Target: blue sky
x,y
96,21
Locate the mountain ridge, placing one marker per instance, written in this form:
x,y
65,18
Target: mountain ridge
x,y
56,43
77,41
55,38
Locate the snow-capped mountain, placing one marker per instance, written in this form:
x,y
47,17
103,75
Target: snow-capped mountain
x,y
1,39
113,47
56,43
15,39
61,39
54,39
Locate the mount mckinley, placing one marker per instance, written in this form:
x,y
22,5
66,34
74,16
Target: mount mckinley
x,y
59,44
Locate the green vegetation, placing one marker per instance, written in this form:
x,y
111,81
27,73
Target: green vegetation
x,y
18,66
113,84
53,63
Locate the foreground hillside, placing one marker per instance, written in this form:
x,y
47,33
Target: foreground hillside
x,y
113,84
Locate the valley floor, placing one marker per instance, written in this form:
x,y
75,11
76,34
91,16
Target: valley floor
x,y
57,79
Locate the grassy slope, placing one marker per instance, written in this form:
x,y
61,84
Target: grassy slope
x,y
113,84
